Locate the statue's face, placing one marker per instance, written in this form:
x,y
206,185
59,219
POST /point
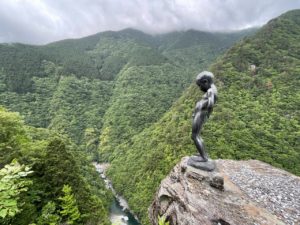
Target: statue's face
x,y
204,80
205,83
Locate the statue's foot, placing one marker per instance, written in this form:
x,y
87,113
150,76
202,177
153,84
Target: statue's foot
x,y
202,164
198,158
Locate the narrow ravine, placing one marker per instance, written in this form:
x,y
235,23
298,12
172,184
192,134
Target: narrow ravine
x,y
120,213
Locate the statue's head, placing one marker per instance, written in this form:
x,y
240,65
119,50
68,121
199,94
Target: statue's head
x,y
204,80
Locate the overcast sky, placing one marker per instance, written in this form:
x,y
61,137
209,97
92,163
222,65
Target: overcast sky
x,y
43,21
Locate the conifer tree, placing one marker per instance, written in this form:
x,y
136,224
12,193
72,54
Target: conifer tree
x,y
49,216
69,206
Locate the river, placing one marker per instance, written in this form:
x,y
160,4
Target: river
x,y
120,213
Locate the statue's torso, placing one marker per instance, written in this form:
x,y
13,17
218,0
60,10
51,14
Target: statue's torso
x,y
202,105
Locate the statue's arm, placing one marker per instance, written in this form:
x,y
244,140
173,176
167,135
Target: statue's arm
x,y
211,101
199,106
196,109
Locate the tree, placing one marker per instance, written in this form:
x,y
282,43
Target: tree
x,y
12,136
13,182
49,216
69,206
59,168
91,141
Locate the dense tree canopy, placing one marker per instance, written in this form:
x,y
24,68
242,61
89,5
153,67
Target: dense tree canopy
x,y
48,162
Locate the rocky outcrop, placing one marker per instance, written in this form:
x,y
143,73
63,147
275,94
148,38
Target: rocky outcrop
x,y
236,193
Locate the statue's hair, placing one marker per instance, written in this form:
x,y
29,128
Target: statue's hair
x,y
205,74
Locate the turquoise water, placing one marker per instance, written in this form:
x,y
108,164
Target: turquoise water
x,y
116,215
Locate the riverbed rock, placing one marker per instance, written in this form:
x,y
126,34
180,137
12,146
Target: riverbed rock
x,y
235,193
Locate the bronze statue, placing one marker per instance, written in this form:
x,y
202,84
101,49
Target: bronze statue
x,y
202,111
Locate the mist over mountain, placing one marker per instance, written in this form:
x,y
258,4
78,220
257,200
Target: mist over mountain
x,y
40,22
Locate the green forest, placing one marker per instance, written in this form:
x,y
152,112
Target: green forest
x,y
127,98
46,178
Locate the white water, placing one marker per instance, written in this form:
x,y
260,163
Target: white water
x,y
120,213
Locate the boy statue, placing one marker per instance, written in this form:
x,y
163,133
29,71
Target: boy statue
x,y
202,111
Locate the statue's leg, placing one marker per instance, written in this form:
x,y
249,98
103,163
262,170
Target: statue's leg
x,y
196,128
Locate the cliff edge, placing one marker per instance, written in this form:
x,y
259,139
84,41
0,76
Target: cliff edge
x,y
237,192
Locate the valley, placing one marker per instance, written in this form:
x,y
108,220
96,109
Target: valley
x,y
126,98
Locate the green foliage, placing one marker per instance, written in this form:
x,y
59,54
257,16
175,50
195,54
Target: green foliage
x,y
69,206
52,158
162,221
48,216
60,167
13,183
140,98
77,105
91,140
28,59
256,117
12,135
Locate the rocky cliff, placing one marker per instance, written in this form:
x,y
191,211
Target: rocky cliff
x,y
237,192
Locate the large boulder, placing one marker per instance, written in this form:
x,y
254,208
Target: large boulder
x,y
236,193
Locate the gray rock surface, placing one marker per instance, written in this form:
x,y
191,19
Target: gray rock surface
x,y
235,193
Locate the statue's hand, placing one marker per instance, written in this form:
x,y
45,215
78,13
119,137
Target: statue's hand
x,y
209,111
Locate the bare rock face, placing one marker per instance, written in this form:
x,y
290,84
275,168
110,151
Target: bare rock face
x,y
236,193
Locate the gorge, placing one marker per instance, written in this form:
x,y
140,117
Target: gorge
x,y
126,98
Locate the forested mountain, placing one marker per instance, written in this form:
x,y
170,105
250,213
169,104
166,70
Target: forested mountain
x,y
112,83
256,117
125,80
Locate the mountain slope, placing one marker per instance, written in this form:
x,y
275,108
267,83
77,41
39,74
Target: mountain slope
x,y
78,86
153,79
257,115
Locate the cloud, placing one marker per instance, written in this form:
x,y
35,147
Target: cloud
x,y
42,21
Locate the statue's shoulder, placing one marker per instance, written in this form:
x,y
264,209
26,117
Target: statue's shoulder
x,y
206,95
213,90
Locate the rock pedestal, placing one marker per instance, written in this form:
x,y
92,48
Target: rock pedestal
x,y
228,195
